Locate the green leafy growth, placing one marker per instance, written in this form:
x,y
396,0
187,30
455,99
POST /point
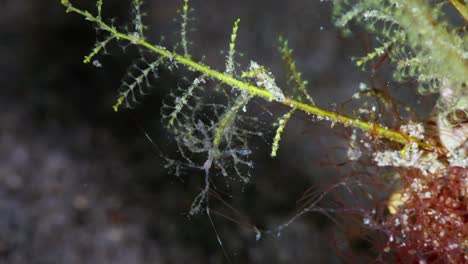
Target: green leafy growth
x,y
99,7
136,82
212,132
182,101
281,125
99,46
378,51
344,15
230,66
118,104
183,29
236,82
292,74
138,20
227,120
432,52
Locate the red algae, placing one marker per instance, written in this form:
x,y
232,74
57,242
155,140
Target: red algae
x,y
430,225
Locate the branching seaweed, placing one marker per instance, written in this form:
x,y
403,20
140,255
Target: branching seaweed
x,y
136,82
212,132
223,143
433,52
138,21
293,75
230,64
244,86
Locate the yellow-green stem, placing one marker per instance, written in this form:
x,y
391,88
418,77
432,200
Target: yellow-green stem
x,y
372,128
461,7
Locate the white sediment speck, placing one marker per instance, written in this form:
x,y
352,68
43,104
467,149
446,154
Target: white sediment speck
x,y
265,79
414,130
410,157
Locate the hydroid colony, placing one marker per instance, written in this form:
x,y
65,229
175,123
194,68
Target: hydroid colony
x,y
425,218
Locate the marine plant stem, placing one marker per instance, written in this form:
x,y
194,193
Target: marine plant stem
x,y
461,7
372,128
